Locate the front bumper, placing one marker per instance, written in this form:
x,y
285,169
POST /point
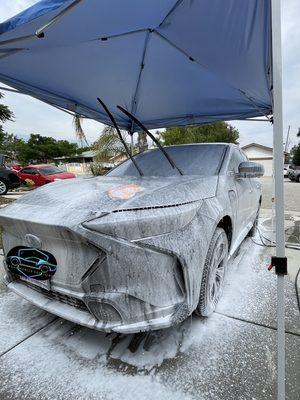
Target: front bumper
x,y
108,285
83,316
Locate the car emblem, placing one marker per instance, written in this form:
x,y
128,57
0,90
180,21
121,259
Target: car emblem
x,y
124,192
31,263
33,241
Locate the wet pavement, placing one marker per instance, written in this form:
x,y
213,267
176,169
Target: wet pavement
x,y
230,355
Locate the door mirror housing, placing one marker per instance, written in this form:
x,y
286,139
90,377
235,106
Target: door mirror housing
x,y
249,169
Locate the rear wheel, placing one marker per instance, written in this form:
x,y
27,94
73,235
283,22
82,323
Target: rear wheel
x,y
3,187
213,273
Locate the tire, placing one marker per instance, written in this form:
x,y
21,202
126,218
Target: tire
x,y
213,274
298,179
3,187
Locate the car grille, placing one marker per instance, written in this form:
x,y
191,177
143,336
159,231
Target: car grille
x,y
63,298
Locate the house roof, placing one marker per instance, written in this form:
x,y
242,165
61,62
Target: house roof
x,y
84,154
89,153
257,145
260,146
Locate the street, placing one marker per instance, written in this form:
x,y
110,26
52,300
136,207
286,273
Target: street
x,y
291,195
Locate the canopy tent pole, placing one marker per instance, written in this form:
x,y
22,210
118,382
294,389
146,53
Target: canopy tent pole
x,y
279,261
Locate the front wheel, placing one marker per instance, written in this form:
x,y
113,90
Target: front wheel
x,y
3,187
213,274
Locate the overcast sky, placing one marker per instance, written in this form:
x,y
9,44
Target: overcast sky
x,y
33,116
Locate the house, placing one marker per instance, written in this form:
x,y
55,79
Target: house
x,y
261,154
81,164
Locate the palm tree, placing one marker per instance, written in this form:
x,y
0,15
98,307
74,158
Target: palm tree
x,y
77,123
5,113
142,142
109,145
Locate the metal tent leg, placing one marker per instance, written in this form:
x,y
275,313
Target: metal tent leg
x,y
279,261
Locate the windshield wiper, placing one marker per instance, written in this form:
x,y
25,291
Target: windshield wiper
x,y
135,120
120,136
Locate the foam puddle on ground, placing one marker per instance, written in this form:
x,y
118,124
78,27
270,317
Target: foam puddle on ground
x,y
151,349
64,360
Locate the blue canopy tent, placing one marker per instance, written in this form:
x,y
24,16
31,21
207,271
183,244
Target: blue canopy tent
x,y
167,62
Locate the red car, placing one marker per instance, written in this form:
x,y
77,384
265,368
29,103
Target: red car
x,y
16,167
43,173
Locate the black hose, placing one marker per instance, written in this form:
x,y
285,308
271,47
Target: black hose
x,y
296,289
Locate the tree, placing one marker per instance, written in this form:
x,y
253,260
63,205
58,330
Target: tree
x,y
142,142
218,132
109,145
296,155
11,145
42,149
5,113
77,122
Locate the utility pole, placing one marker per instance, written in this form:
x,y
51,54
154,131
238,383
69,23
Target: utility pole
x,y
287,140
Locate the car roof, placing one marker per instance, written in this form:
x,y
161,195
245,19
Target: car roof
x,y
200,144
39,165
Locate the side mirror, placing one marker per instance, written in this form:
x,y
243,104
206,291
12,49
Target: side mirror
x,y
249,169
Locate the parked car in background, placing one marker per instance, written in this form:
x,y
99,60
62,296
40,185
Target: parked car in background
x,y
8,179
15,167
294,175
43,174
286,170
140,248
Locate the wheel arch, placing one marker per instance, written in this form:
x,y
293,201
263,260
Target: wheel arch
x,y
226,224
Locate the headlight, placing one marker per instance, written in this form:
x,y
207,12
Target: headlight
x,y
137,224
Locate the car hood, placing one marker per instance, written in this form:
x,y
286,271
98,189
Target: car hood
x,y
71,202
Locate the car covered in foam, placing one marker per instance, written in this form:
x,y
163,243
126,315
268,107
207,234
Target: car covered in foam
x,y
136,253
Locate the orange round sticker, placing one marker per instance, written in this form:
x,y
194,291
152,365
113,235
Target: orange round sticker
x,y
124,192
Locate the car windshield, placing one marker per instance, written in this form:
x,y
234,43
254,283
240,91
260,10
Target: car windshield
x,y
50,170
197,159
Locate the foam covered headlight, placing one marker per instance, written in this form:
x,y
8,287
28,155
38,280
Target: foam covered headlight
x,y
142,223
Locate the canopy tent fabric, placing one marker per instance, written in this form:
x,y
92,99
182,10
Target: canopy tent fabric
x,y
167,62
